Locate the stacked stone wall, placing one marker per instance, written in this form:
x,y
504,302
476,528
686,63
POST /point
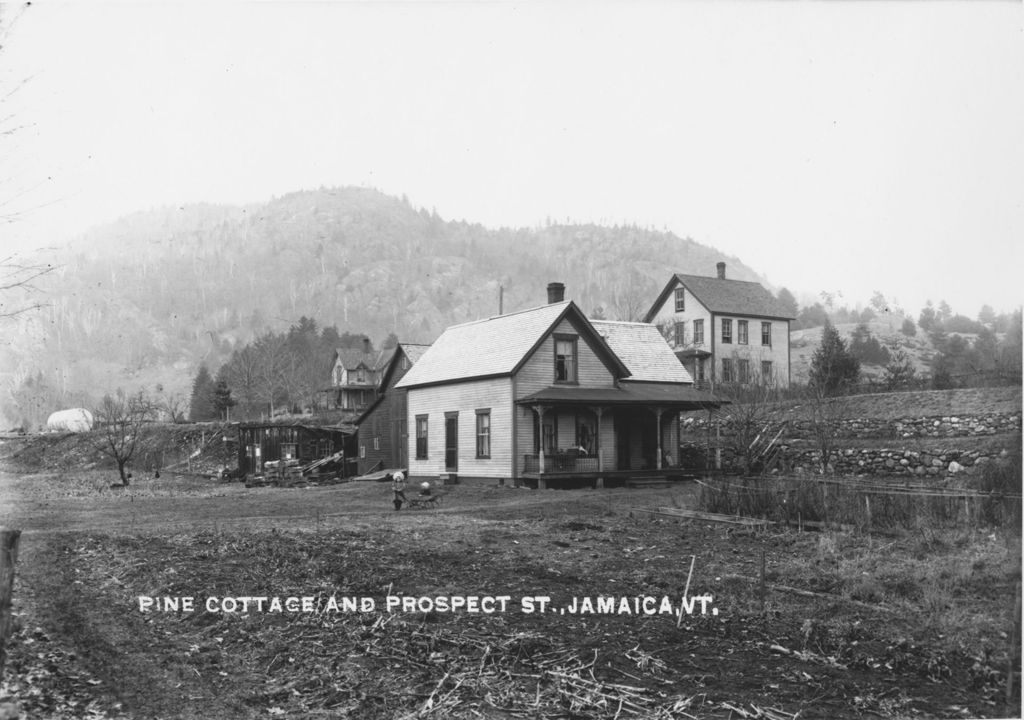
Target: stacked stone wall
x,y
797,452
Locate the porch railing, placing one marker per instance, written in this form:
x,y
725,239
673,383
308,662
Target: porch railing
x,y
560,463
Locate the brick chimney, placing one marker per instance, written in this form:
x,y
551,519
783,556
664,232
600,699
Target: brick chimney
x,y
366,345
556,292
721,271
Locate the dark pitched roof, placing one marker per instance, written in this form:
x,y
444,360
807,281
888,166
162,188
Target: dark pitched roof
x,y
352,358
675,395
730,297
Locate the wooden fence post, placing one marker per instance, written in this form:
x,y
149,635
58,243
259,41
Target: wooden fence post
x,y
8,557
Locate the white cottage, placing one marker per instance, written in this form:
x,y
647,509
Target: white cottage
x,y
546,395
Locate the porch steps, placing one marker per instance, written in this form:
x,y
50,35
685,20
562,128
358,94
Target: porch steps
x,y
658,481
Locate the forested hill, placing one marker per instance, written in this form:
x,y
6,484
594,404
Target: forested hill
x,y
145,299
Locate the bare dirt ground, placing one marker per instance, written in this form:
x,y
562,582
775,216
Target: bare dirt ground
x,y
912,624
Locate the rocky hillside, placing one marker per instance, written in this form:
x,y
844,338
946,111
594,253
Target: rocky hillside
x,y
141,302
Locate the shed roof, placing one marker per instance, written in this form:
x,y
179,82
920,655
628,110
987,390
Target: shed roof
x,y
645,394
644,351
732,297
497,346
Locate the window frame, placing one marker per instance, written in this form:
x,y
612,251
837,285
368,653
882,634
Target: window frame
x,y
679,334
698,331
422,453
573,376
766,333
680,300
727,331
483,434
742,332
743,371
728,374
767,372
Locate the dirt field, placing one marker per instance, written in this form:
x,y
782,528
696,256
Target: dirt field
x,y
913,624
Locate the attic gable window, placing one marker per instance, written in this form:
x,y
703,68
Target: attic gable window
x,y
565,358
680,300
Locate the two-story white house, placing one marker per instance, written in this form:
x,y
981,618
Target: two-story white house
x,y
354,377
724,331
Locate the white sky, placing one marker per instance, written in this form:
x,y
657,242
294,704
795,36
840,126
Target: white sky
x,y
832,146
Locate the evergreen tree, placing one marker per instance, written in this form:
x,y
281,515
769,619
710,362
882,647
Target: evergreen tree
x,y
927,318
222,400
833,367
788,302
909,327
201,405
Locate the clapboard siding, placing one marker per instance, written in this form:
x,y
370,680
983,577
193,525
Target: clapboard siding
x,y
538,372
465,398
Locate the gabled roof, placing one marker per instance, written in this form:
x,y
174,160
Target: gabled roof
x,y
499,345
730,297
352,358
411,350
644,351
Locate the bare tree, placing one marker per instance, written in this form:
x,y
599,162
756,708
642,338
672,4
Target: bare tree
x,y
120,419
826,415
18,285
174,406
753,422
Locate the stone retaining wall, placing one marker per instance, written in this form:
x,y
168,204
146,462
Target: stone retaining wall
x,y
924,427
797,452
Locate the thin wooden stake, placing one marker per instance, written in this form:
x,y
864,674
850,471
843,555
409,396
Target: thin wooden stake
x,y
764,590
686,591
8,559
1012,657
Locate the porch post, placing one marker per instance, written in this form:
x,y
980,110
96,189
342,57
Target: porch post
x,y
542,484
599,483
540,434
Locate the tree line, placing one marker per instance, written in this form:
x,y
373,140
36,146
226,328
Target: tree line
x,y
286,371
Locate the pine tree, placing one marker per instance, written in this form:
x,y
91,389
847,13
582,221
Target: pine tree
x,y
222,400
788,302
201,405
833,367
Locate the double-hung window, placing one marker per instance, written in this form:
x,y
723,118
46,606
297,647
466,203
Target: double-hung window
x,y
727,373
421,437
698,332
680,300
483,433
565,359
741,331
766,334
726,331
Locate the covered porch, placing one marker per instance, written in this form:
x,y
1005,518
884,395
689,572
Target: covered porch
x,y
604,436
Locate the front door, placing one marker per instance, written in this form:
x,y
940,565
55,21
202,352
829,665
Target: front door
x,y
451,442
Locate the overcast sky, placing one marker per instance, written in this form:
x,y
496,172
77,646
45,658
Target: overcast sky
x,y
841,146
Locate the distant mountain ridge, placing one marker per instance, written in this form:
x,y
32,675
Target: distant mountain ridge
x,y
143,300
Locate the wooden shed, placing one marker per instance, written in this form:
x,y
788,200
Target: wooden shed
x,y
296,443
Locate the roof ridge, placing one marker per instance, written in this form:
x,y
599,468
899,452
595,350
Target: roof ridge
x,y
712,277
508,314
620,322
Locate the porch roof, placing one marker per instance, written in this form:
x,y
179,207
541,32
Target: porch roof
x,y
646,394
